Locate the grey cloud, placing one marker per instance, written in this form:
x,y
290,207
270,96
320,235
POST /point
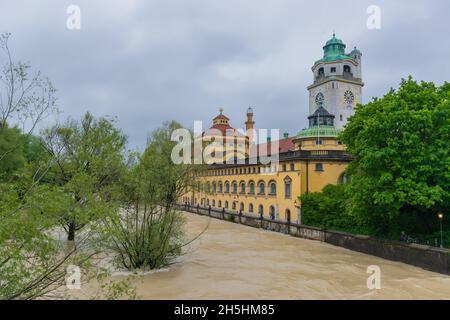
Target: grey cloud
x,y
150,61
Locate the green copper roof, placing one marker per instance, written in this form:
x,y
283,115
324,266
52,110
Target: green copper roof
x,y
334,50
322,131
334,40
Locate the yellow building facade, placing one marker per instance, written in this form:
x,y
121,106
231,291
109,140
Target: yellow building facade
x,y
306,162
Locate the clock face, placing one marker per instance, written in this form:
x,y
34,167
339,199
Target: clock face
x,y
319,99
349,97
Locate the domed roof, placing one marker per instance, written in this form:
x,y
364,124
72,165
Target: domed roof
x,y
334,40
334,50
318,131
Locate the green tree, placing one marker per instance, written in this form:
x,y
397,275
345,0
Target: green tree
x,y
328,209
401,171
11,151
149,231
87,161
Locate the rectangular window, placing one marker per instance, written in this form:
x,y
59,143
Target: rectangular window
x,y
319,166
333,69
292,167
318,142
284,167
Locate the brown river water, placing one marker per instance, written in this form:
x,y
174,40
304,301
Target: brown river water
x,y
231,261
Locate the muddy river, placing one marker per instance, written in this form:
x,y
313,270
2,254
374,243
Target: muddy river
x,y
231,261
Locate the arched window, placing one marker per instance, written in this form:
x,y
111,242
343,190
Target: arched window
x,y
214,186
261,188
260,209
347,69
214,203
288,215
251,187
220,203
287,187
321,72
342,178
235,187
250,208
227,187
226,204
220,187
207,202
242,190
272,212
241,207
208,187
272,188
234,205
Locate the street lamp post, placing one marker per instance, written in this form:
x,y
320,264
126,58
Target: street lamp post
x,y
441,217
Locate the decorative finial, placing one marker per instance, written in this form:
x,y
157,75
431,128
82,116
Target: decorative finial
x,y
334,34
221,110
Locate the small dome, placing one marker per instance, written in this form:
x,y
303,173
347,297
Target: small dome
x,y
334,40
249,110
355,52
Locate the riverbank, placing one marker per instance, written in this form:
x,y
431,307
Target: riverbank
x,y
232,261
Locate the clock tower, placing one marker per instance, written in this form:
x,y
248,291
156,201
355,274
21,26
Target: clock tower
x,y
337,85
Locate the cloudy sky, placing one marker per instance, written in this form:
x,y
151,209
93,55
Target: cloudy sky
x,y
151,61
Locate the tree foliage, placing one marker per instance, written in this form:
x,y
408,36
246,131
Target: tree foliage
x,y
401,171
148,233
87,162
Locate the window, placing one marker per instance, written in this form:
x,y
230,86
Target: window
x,y
214,187
261,209
220,187
220,203
321,72
287,187
319,166
241,207
227,187
234,205
342,179
284,167
341,117
242,187
261,188
288,215
251,187
347,69
273,188
292,167
333,70
250,208
235,187
214,203
272,212
226,204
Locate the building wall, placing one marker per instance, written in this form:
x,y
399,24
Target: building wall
x,y
303,178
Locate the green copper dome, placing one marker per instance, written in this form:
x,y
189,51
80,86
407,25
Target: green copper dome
x,y
334,50
334,40
319,131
